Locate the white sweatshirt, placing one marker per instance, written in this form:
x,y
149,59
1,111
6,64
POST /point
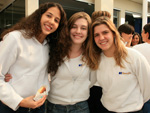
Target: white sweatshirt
x,y
26,60
67,90
144,49
124,89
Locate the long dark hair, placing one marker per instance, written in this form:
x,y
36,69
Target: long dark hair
x,y
58,41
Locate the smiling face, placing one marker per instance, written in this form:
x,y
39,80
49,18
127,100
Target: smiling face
x,y
79,31
135,40
104,38
50,21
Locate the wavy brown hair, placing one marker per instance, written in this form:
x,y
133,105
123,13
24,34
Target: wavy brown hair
x,y
58,41
93,51
73,19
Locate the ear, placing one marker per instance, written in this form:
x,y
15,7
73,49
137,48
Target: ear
x,y
147,35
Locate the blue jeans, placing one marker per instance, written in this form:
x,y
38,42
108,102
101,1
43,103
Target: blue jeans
x,y
81,107
146,107
6,109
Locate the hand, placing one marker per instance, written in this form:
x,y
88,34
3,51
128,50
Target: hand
x,y
129,42
30,103
7,77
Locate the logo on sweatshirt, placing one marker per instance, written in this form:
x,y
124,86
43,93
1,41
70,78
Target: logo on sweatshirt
x,y
126,73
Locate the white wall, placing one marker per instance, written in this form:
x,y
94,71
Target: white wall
x,y
128,6
29,7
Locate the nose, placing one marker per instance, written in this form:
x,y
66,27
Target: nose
x,y
52,21
101,37
78,30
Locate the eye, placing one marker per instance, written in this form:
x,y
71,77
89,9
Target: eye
x,y
84,28
105,32
57,20
49,16
74,26
96,35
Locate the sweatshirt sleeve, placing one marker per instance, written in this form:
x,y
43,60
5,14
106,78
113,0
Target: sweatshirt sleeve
x,y
93,78
142,72
8,56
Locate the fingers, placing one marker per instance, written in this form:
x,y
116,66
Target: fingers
x,y
7,77
41,101
28,102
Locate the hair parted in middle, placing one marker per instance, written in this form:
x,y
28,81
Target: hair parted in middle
x,y
93,51
73,19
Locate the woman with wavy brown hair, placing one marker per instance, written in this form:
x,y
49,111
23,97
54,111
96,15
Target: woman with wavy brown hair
x,y
123,73
71,84
24,53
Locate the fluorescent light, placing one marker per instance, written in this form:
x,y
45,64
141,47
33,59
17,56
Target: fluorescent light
x,y
86,1
136,15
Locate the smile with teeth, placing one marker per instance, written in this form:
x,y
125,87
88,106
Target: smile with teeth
x,y
77,36
48,27
103,43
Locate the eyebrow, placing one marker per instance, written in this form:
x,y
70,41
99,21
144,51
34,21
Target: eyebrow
x,y
54,15
81,25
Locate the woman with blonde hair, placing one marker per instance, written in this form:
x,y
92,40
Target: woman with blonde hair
x,y
122,72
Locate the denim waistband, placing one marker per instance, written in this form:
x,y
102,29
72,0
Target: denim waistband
x,y
83,103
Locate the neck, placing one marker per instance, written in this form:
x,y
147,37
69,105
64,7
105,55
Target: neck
x,y
148,41
41,38
109,53
76,50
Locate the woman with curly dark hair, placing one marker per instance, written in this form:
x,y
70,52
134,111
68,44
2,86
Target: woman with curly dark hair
x,y
24,53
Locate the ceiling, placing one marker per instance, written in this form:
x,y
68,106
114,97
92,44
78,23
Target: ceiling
x,y
6,3
138,1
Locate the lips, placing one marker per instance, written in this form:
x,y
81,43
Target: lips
x,y
77,36
103,43
48,27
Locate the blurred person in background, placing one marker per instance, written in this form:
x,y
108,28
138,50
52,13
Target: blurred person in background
x,y
144,48
126,31
136,39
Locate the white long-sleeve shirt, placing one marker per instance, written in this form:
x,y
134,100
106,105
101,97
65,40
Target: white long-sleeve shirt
x,y
124,89
144,49
26,60
69,87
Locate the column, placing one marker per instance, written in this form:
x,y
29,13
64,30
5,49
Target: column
x,y
122,17
31,6
106,5
144,12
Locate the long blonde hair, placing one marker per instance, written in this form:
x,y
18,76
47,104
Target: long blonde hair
x,y
93,51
